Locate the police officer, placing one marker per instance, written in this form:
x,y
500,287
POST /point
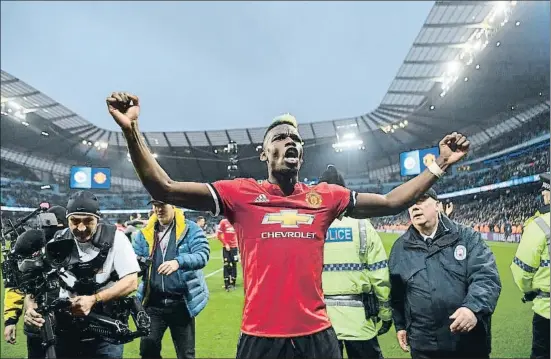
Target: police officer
x,y
356,282
444,286
102,268
13,300
530,269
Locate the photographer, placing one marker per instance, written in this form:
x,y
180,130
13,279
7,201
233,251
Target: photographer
x,y
102,268
14,299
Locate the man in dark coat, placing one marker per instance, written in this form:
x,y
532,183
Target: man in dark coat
x,y
444,286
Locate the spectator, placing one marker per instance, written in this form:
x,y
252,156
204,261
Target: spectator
x,y
175,291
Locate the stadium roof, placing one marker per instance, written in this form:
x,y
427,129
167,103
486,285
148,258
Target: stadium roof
x,y
472,65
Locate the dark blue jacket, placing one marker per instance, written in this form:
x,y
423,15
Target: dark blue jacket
x,y
429,283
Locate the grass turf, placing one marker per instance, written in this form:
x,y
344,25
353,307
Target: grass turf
x,y
217,327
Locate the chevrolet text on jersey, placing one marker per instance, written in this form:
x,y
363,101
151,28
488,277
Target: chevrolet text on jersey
x,y
298,235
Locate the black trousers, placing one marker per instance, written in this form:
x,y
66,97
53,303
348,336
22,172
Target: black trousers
x,y
71,347
416,354
540,337
182,330
34,347
323,344
230,266
366,349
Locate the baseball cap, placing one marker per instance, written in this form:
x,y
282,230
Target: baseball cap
x,y
83,203
154,201
431,193
545,179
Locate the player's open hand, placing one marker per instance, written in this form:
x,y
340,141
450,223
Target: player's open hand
x,y
464,320
453,147
124,107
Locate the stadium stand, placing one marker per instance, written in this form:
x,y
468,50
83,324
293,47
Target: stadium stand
x,y
502,106
509,134
486,213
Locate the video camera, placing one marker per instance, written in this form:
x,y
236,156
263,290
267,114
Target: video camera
x,y
37,267
47,222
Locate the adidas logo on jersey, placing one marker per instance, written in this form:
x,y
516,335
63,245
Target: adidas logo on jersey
x,y
261,199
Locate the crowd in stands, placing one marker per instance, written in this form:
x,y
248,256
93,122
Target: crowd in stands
x,y
531,162
522,134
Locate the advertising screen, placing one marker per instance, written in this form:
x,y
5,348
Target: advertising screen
x,y
414,162
90,178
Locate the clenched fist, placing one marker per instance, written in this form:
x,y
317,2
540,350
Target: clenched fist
x,y
124,107
453,147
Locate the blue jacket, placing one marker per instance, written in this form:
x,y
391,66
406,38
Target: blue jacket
x,y
187,245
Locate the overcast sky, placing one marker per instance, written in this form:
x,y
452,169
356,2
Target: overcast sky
x,y
211,65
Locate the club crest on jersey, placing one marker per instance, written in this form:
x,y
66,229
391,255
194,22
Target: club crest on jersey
x,y
313,199
460,252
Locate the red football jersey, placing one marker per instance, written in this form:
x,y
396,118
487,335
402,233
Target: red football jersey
x,y
281,242
226,233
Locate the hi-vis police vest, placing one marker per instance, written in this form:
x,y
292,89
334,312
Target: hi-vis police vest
x,y
355,262
530,266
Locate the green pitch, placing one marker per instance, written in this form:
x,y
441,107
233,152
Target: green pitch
x,y
217,327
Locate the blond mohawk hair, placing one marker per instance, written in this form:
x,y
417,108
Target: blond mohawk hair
x,y
286,119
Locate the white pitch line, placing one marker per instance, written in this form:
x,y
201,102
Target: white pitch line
x,y
213,273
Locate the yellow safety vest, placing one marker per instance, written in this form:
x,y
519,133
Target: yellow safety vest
x,y
13,304
355,262
530,266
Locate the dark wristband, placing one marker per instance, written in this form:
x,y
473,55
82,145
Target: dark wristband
x,y
10,321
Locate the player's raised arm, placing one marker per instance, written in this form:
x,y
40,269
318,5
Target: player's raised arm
x,y
125,109
452,148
